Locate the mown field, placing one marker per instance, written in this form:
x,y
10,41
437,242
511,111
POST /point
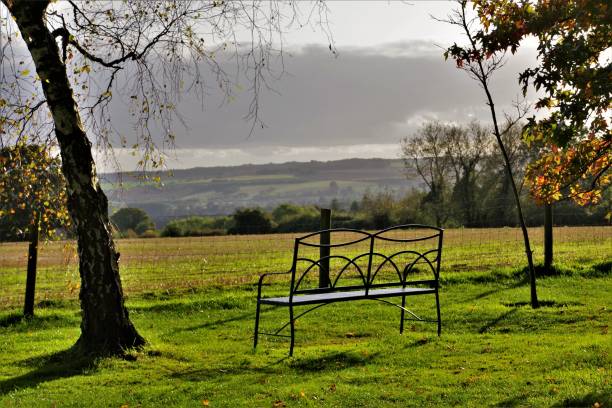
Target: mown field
x,y
194,301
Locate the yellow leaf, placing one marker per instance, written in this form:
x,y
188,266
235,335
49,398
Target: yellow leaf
x,y
205,403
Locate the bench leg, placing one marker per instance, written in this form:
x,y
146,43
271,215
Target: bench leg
x,y
438,310
402,316
256,325
291,321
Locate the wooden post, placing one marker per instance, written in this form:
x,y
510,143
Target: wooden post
x,y
28,307
548,236
324,251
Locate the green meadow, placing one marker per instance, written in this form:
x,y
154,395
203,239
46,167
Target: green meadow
x,y
194,301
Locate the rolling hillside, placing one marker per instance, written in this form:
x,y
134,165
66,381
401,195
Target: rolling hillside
x,y
220,190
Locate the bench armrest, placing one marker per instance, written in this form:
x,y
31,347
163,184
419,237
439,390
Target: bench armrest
x,y
263,276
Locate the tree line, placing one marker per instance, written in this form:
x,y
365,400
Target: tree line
x,y
375,210
463,184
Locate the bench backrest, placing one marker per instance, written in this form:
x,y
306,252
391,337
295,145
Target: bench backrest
x,y
355,259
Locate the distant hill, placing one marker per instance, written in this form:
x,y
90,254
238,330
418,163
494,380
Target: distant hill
x,y
220,190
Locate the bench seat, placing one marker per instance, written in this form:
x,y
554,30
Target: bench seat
x,y
354,265
329,297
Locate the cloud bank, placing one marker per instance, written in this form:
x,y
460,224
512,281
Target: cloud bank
x,y
362,102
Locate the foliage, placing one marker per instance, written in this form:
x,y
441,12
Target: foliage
x,y
494,205
31,183
251,221
379,208
149,53
481,67
462,171
134,219
196,226
573,75
294,218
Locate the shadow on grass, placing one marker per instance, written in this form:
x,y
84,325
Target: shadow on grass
x,y
62,364
543,303
420,342
237,368
18,322
218,322
598,270
191,307
518,401
587,400
11,320
602,269
497,290
491,324
603,398
335,361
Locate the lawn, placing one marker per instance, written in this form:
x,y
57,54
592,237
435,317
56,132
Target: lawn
x,y
494,349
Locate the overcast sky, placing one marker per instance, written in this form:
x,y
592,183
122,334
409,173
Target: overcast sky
x,y
388,78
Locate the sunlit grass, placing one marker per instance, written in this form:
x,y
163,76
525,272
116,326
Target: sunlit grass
x,y
494,350
166,263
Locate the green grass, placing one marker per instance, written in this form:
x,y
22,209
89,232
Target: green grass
x,y
494,350
194,299
150,265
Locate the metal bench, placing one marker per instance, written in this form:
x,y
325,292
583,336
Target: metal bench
x,y
340,265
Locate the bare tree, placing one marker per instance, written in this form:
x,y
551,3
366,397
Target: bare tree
x,y
427,153
81,55
468,148
481,67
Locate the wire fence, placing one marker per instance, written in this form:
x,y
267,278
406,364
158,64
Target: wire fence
x,y
168,264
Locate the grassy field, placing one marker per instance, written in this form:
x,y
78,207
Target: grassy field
x,y
494,350
152,265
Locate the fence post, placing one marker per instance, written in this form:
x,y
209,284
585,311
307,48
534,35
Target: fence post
x,y
548,236
324,239
28,306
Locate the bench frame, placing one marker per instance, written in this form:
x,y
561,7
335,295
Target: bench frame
x,y
368,290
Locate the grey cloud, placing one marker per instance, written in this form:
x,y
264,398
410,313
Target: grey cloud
x,y
365,96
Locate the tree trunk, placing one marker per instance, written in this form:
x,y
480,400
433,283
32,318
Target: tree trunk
x,y
105,326
528,253
30,292
548,237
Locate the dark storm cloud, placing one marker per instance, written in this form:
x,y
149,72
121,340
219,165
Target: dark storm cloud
x,y
371,95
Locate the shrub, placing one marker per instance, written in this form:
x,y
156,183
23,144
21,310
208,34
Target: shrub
x,y
196,226
132,219
251,221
